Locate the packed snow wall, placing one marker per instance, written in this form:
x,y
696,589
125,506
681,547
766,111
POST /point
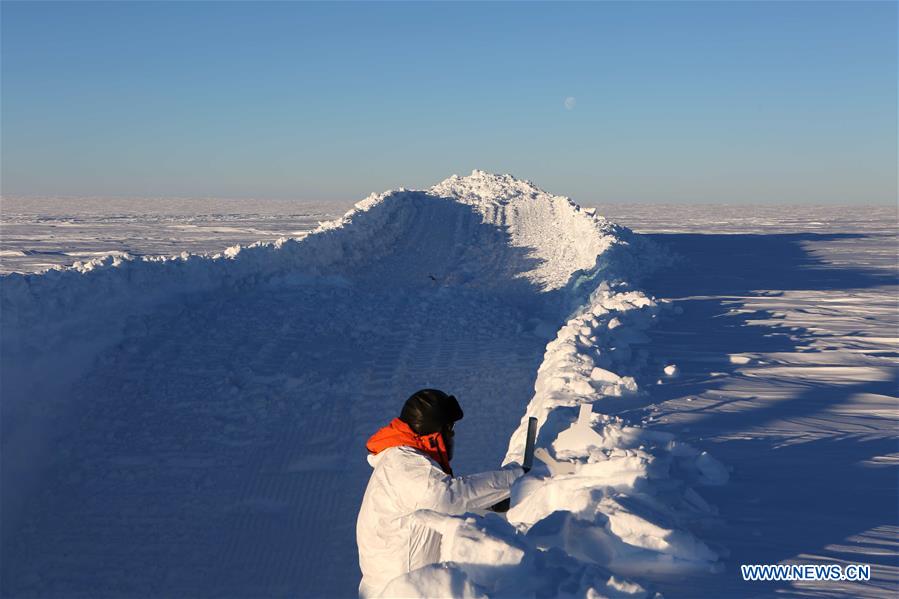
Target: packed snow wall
x,y
468,242
54,324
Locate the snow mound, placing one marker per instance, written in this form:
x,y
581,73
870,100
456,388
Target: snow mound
x,y
620,502
617,501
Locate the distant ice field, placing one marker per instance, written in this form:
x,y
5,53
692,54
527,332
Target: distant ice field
x,y
37,234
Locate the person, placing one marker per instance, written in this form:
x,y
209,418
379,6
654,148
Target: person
x,y
411,460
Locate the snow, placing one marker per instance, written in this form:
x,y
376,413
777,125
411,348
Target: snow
x,y
195,425
784,334
434,581
37,234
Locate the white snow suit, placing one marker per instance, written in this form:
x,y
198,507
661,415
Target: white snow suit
x,y
391,542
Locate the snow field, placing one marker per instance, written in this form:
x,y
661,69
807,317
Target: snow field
x,y
786,350
37,234
202,430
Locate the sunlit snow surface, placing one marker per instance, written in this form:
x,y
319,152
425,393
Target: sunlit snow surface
x,y
41,233
787,355
215,447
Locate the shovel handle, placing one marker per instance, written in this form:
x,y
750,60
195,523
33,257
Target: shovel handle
x,y
529,444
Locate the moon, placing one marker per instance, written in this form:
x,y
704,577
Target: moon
x,y
570,102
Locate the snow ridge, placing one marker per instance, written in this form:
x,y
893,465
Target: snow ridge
x,y
623,502
619,500
624,495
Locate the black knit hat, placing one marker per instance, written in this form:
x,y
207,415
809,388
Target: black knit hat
x,y
429,410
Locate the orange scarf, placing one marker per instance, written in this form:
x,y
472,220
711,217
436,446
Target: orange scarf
x,y
398,434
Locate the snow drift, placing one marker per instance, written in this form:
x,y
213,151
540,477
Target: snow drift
x,y
621,502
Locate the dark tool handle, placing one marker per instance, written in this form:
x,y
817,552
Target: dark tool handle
x,y
529,444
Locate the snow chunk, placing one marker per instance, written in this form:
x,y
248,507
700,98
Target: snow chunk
x,y
739,359
618,589
712,471
579,437
606,376
474,547
434,580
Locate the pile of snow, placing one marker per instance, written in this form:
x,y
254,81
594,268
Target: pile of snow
x,y
624,497
619,499
612,502
59,320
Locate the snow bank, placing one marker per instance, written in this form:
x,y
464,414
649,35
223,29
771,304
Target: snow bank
x,y
624,498
613,501
487,557
59,320
619,499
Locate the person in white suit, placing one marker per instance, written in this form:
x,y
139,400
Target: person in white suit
x,y
411,460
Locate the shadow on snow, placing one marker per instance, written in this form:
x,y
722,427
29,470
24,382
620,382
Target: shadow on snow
x,y
788,495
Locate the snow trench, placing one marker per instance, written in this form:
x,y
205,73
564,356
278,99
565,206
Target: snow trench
x,y
468,254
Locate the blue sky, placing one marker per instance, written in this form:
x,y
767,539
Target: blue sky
x,y
751,102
